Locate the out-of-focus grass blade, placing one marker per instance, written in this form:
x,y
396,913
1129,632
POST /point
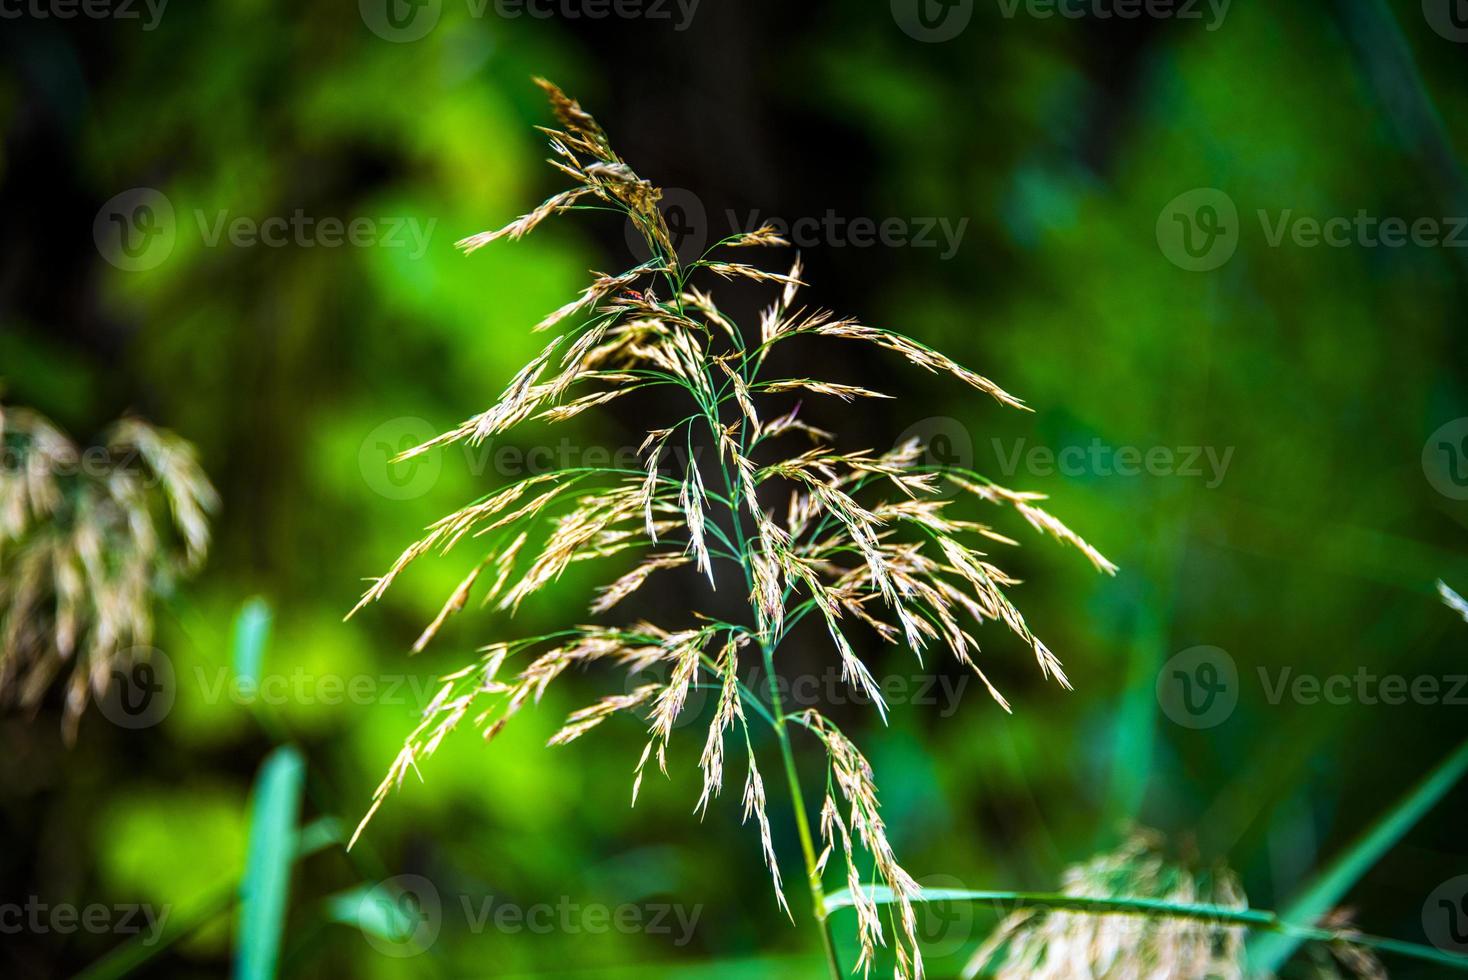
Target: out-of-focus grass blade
x,y
1269,953
272,850
136,952
251,630
1134,731
357,908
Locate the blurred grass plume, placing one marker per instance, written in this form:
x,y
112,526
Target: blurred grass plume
x,y
88,539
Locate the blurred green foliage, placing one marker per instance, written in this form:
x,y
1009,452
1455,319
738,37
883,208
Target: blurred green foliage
x,y
1323,370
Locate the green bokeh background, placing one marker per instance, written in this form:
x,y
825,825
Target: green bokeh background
x,y
1060,141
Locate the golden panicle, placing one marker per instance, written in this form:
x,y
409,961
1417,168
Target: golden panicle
x,y
526,223
655,439
704,304
570,115
600,289
763,235
772,321
754,805
587,531
620,182
728,710
454,604
731,270
741,395
684,650
853,777
1039,519
790,423
504,564
842,548
609,595
920,354
446,531
846,393
580,722
691,499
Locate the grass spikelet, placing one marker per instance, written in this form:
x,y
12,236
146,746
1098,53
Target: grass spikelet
x,y
728,710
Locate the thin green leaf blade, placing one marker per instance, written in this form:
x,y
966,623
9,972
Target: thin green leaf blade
x,y
1269,953
251,631
265,890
